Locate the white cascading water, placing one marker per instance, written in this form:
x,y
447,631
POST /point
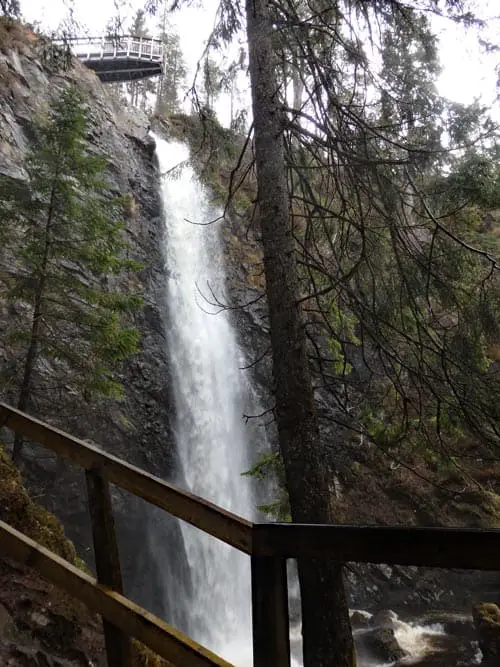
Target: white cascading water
x,y
211,397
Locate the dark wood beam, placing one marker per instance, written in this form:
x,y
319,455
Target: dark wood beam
x,y
186,506
136,622
459,548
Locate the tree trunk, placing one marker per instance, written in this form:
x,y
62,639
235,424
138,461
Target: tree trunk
x,y
326,627
29,365
32,354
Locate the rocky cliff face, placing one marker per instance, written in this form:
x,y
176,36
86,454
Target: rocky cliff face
x,y
138,428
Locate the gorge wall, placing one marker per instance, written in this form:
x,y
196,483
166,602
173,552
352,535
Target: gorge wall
x,y
138,428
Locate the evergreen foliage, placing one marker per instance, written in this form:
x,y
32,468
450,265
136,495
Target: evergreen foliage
x,y
140,90
68,238
212,82
172,78
399,275
10,8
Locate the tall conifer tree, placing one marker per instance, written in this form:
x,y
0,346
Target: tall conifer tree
x,y
174,68
70,239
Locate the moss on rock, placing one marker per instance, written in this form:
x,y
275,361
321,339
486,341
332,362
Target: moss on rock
x,y
22,513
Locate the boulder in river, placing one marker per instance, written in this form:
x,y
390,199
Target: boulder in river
x,y
360,620
487,623
385,618
381,644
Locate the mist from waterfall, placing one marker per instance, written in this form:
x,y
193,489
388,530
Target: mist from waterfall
x,y
212,395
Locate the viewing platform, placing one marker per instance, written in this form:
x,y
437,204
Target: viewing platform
x,y
122,59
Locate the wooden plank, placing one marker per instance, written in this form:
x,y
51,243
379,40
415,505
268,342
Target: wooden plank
x,y
433,547
271,631
107,559
186,506
123,613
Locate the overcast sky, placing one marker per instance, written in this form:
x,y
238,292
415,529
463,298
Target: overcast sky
x,y
467,73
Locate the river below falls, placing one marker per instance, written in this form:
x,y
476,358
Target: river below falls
x,y
426,645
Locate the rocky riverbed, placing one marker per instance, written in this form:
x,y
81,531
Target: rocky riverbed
x,y
433,640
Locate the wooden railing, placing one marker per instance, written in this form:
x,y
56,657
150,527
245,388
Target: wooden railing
x,y
268,545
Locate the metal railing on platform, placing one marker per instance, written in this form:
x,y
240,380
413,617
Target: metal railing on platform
x,y
120,59
97,48
268,545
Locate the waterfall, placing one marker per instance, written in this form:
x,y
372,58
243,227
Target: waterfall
x,y
211,397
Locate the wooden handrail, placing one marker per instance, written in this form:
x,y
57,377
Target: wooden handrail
x,y
186,506
119,610
268,544
463,548
432,547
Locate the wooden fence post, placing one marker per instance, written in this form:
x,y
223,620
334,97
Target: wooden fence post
x,y
107,560
271,632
